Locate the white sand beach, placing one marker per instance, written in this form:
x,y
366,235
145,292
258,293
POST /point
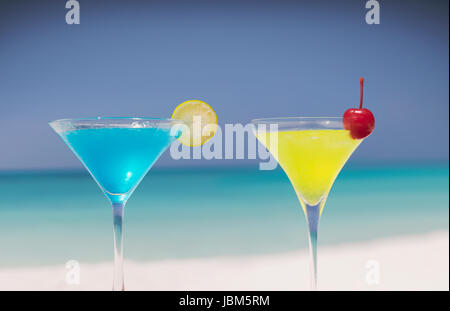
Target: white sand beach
x,y
418,262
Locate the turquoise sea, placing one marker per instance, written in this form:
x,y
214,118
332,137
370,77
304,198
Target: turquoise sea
x,y
52,217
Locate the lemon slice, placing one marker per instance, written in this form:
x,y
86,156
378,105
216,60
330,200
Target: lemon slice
x,y
200,119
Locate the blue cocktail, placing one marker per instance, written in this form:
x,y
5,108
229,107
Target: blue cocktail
x,y
118,152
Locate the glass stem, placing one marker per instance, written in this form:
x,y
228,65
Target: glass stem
x,y
118,210
312,217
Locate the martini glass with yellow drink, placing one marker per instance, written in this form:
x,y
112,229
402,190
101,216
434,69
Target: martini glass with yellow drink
x,y
312,152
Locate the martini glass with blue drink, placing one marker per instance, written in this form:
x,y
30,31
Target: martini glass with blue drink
x,y
118,153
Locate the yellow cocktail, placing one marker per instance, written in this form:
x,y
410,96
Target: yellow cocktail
x,y
312,159
312,152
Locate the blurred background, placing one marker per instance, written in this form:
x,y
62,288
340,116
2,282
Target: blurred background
x,y
247,59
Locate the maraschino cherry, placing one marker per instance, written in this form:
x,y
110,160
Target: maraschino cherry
x,y
360,122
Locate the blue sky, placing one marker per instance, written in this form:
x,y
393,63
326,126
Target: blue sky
x,y
247,59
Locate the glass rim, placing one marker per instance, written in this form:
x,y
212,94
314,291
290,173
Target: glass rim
x,y
293,119
301,123
64,125
115,118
